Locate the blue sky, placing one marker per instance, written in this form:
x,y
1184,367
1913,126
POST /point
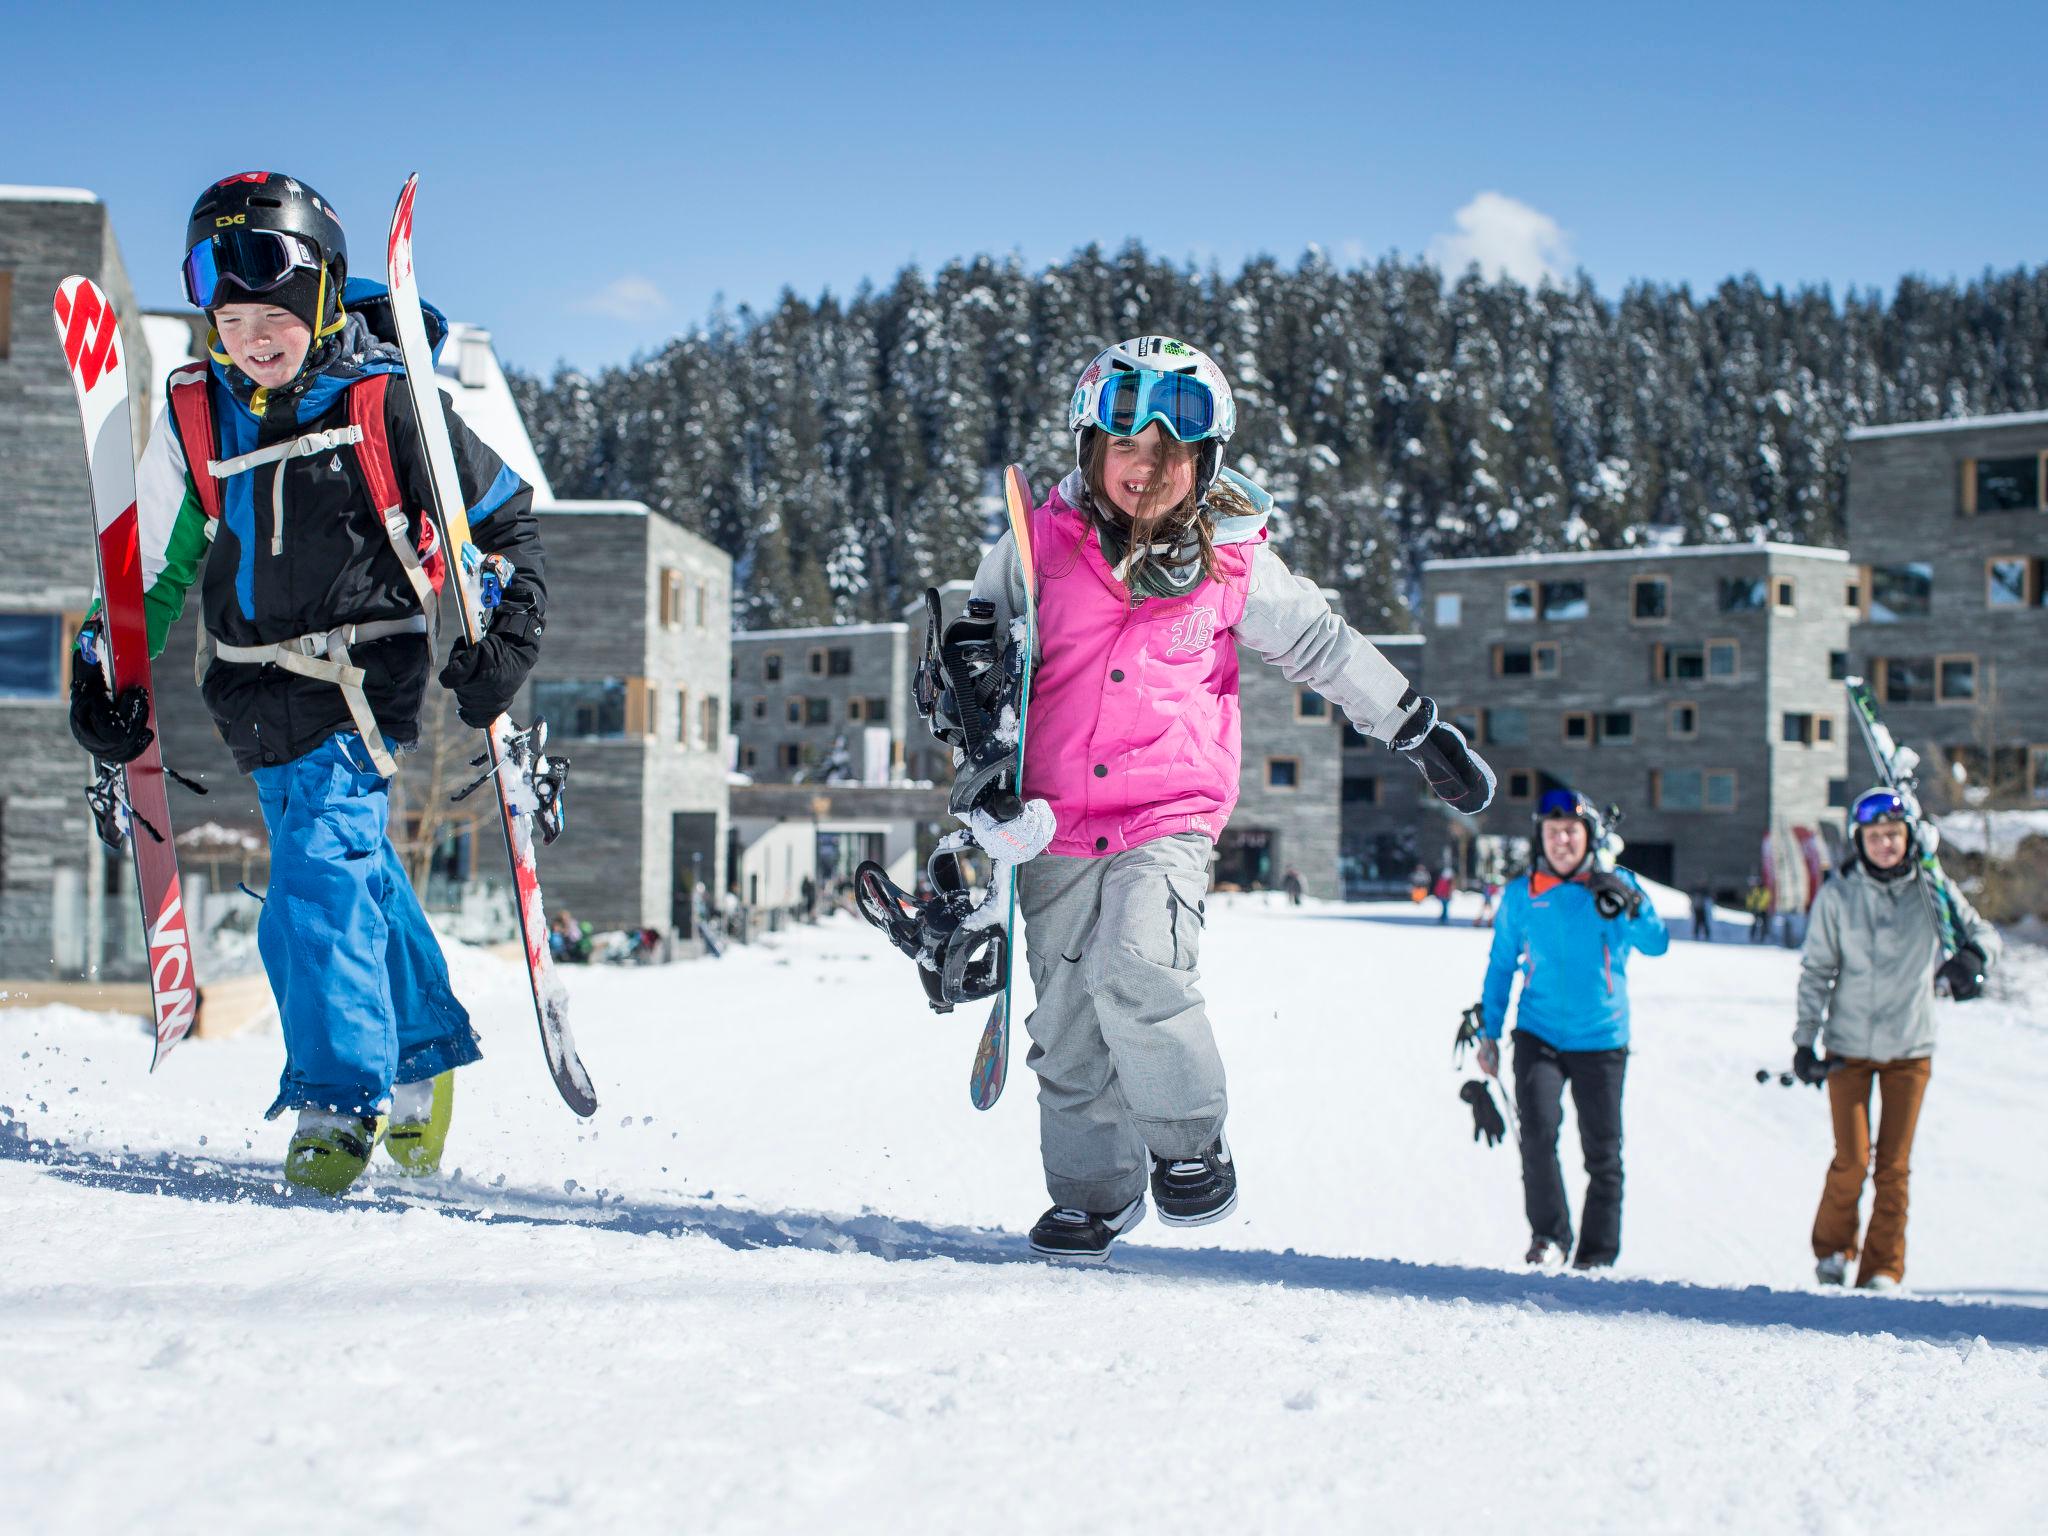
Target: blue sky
x,y
595,175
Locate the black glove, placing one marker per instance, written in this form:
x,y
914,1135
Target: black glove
x,y
1456,774
1486,1120
1963,973
486,676
114,730
1612,895
1809,1068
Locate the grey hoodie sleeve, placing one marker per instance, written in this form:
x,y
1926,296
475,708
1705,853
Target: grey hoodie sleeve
x,y
1000,579
1820,963
1288,621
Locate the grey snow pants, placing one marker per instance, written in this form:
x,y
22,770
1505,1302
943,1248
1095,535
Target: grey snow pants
x,y
1120,1039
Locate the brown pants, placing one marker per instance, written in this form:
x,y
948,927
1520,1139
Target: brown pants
x,y
1901,1085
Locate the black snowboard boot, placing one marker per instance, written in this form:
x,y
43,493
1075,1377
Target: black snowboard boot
x,y
1194,1191
1065,1233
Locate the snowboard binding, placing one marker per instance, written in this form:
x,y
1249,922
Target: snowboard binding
x,y
968,687
962,953
538,781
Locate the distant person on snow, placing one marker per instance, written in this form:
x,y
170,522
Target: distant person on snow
x,y
1153,567
267,480
1867,981
1446,887
1568,926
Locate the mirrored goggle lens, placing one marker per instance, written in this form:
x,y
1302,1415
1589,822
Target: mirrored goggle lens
x,y
256,260
1128,402
1557,802
1879,805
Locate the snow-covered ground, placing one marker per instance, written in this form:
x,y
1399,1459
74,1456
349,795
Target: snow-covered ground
x,y
779,1283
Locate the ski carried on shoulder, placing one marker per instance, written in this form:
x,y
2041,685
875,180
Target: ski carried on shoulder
x,y
527,782
128,800
1898,767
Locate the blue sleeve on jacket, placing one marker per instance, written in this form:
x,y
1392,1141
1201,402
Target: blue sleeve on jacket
x,y
1646,931
1509,925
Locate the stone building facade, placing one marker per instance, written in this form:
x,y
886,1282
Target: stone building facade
x,y
1689,686
1948,526
67,906
802,696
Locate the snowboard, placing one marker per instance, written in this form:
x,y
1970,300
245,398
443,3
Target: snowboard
x,y
507,755
1896,765
992,1056
130,799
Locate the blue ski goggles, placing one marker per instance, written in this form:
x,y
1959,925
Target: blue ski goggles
x,y
1879,805
1559,802
1124,404
258,261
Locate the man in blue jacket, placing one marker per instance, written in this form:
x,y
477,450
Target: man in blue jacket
x,y
1568,926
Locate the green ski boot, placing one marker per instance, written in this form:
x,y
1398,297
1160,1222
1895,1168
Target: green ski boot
x,y
329,1150
420,1113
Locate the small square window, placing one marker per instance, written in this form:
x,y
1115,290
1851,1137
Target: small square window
x,y
1838,666
1650,599
1363,791
1521,784
1283,772
1450,610
1722,656
817,711
1782,592
839,661
1900,592
2009,582
1720,791
1521,600
1824,728
2006,485
1617,727
31,655
1578,728
1796,730
1310,705
1956,680
1563,600
1545,658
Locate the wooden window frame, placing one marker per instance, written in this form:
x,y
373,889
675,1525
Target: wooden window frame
x,y
1811,734
1564,733
1535,603
2030,585
1671,730
1734,672
793,710
1500,651
1859,605
1528,780
1823,730
1536,654
1283,789
1643,581
814,661
1976,676
1967,491
771,666
643,703
671,599
1304,719
1790,603
1600,727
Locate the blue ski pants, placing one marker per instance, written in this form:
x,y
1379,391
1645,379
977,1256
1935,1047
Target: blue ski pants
x,y
361,987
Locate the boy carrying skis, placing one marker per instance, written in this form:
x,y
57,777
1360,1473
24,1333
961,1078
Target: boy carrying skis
x,y
288,478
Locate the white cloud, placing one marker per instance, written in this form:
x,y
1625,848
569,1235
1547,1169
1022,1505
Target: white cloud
x,y
625,298
1504,237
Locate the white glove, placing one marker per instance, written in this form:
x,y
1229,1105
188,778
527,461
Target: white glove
x,y
1020,839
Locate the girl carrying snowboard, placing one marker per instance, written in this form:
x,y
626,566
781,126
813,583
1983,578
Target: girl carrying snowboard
x,y
1153,567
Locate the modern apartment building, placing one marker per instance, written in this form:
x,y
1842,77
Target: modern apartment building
x,y
1389,821
1948,526
1697,688
825,702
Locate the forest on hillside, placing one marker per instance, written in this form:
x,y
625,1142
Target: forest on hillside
x,y
842,450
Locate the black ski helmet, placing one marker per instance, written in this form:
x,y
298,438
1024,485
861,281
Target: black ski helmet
x,y
266,202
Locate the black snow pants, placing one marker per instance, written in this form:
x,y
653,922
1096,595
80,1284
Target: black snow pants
x,y
1541,1072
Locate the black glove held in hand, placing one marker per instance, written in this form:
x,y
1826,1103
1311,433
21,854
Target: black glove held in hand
x,y
1612,895
486,676
1457,775
1809,1068
1486,1120
114,730
1963,973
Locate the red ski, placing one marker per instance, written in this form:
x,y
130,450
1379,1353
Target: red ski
x,y
127,800
519,770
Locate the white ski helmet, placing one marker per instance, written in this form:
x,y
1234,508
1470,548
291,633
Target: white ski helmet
x,y
1156,378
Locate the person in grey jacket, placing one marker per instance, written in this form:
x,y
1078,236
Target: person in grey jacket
x,y
1868,978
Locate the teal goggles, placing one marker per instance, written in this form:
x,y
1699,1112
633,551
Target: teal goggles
x,y
1124,404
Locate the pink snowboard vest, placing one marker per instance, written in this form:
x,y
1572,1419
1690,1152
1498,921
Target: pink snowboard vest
x,y
1133,727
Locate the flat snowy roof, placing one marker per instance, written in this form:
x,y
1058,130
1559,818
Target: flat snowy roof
x,y
1561,557
11,194
1951,424
574,508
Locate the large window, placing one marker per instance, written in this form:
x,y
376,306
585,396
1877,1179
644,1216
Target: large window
x,y
1563,599
1907,679
1743,594
1955,680
2002,485
1507,727
584,710
1693,789
1649,599
1362,791
31,655
1900,592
